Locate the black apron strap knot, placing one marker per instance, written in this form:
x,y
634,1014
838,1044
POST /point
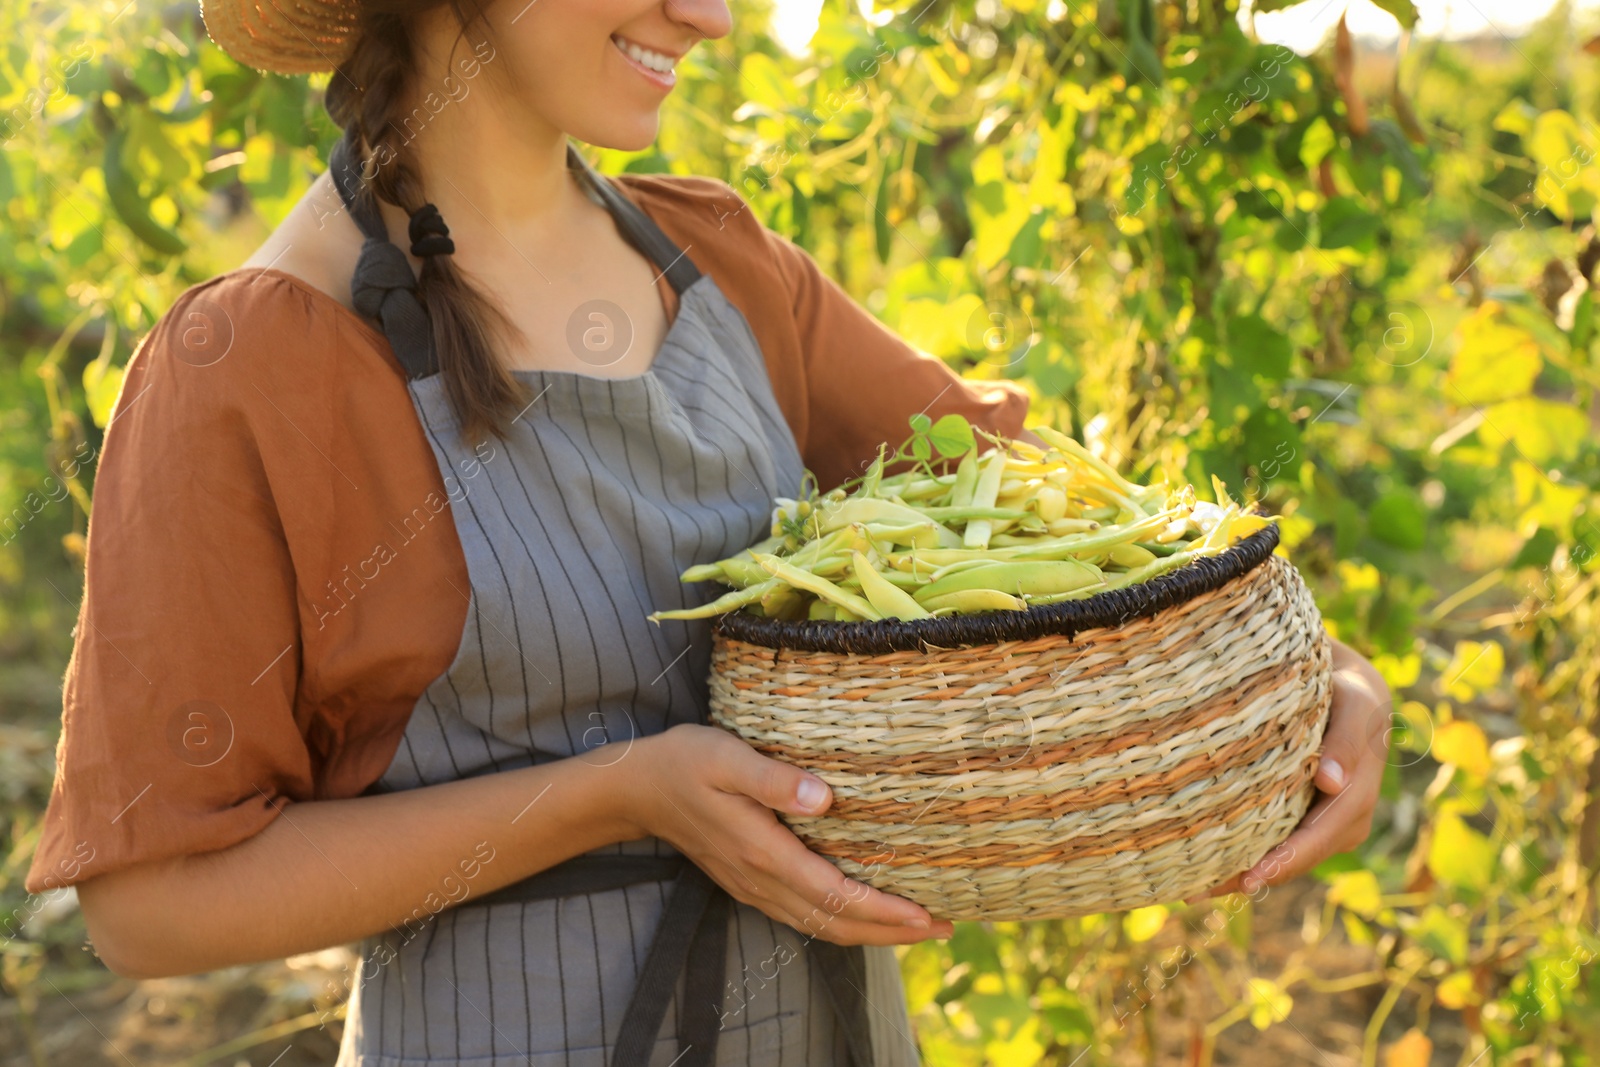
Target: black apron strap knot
x,y
384,288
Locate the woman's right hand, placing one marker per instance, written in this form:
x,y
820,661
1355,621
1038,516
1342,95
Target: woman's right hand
x,y
712,796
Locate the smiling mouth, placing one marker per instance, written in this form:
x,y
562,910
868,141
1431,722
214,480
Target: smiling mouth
x,y
655,62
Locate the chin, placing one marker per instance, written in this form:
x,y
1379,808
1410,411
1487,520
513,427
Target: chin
x,y
621,133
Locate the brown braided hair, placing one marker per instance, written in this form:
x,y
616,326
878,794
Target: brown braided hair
x,y
367,93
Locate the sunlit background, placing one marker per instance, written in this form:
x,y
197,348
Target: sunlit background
x,y
1300,27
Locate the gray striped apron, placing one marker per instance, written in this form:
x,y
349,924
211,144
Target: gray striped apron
x,y
574,527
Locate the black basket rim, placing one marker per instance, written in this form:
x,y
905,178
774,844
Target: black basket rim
x,y
1115,607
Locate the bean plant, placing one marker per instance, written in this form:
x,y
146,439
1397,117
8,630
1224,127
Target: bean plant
x,y
1353,284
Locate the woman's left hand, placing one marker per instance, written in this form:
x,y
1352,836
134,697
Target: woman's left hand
x,y
1355,749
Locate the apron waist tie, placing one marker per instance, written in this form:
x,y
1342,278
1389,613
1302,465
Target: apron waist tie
x,y
691,939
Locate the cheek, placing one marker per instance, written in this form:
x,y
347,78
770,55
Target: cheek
x,y
559,64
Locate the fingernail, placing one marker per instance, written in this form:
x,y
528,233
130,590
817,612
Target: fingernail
x,y
1332,769
918,924
811,793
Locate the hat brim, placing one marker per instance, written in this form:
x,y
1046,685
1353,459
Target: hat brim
x,y
283,36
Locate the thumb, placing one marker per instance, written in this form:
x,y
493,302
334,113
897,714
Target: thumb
x,y
779,785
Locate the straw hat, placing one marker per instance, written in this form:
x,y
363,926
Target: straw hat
x,y
284,36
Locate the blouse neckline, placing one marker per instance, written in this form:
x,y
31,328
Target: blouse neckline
x,y
376,336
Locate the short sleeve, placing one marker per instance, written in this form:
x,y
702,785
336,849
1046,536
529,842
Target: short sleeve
x,y
179,730
864,382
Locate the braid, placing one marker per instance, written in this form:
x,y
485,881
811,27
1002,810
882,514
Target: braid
x,y
365,94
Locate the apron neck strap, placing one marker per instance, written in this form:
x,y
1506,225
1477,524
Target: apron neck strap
x,y
384,287
637,228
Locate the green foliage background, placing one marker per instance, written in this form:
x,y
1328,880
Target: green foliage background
x,y
1361,297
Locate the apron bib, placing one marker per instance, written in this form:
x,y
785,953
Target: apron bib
x,y
574,527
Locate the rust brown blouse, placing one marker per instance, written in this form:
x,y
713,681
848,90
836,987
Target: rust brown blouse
x,y
273,577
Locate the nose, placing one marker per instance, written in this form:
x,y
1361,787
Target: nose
x,y
708,18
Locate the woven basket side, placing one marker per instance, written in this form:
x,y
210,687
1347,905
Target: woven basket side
x,y
1054,775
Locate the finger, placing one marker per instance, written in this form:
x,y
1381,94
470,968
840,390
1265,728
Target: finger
x,y
1355,729
1325,831
828,919
842,930
769,855
772,783
773,849
1334,823
818,882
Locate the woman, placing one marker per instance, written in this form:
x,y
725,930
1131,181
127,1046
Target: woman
x,y
362,654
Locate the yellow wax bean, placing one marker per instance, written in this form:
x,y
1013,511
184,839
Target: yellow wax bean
x,y
1033,576
916,534
783,602
1072,447
977,531
1060,527
702,572
1131,556
967,514
882,511
961,565
1050,503
743,572
738,598
966,479
815,584
888,598
967,601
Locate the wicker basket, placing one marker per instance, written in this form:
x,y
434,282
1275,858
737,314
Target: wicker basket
x,y
1129,749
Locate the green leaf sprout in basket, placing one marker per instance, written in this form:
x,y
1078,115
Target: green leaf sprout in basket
x,y
1013,527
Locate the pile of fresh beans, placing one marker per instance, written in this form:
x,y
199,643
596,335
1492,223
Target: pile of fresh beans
x,y
1010,527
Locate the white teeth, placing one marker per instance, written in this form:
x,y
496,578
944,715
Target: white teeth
x,y
654,60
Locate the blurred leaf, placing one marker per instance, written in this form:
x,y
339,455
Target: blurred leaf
x,y
1462,743
1269,1003
1402,10
1257,347
1345,222
1494,361
1442,934
1537,550
1399,518
1474,667
1358,891
1516,117
1457,991
1141,924
101,386
1317,141
1541,431
763,82
1065,1014
1414,1049
1458,855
